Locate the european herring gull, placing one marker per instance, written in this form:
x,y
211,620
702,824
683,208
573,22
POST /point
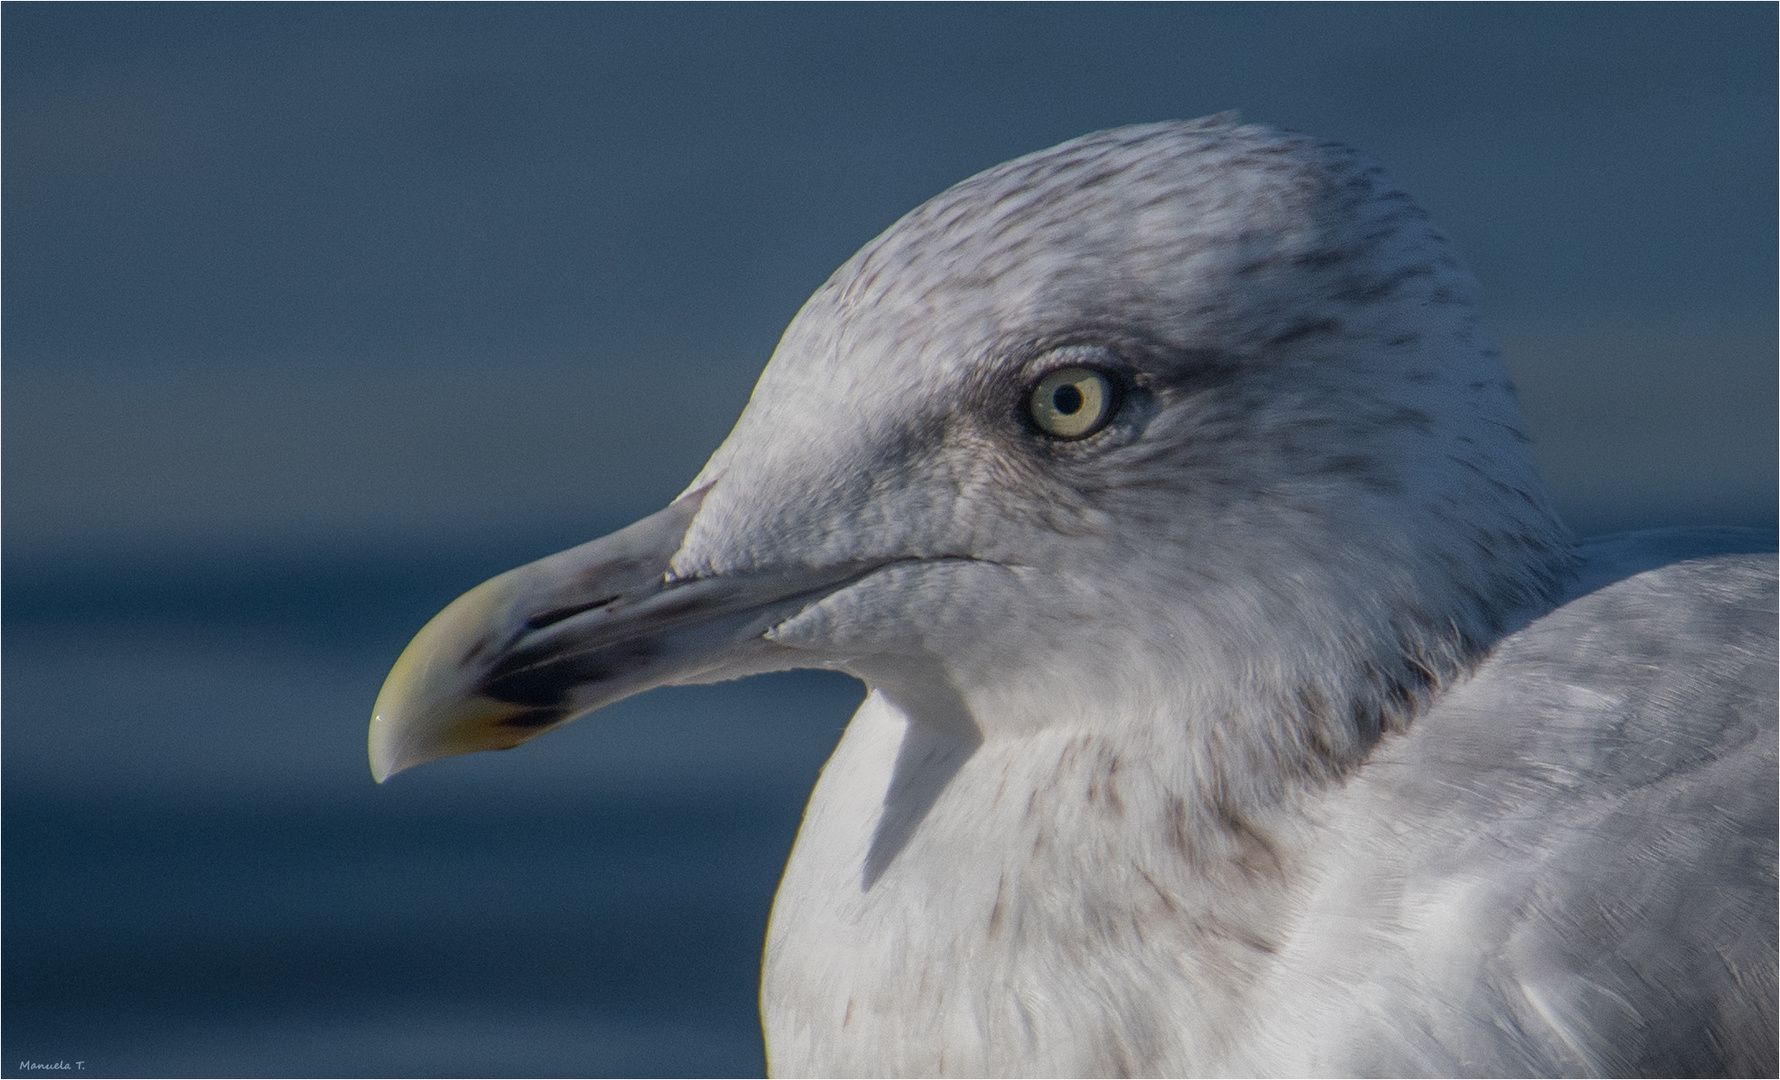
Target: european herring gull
x,y
1237,704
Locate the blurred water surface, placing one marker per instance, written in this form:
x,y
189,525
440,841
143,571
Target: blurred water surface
x,y
202,880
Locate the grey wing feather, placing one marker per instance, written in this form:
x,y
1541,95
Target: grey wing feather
x,y
1659,927
1609,776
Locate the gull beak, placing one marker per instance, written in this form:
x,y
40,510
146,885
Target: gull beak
x,y
555,639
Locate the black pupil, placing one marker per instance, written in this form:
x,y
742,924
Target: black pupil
x,y
1067,399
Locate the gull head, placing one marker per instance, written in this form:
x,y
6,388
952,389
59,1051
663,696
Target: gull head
x,y
1186,420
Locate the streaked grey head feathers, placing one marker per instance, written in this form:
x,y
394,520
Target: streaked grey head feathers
x,y
1310,396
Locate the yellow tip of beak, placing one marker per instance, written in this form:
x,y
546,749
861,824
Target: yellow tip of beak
x,y
427,709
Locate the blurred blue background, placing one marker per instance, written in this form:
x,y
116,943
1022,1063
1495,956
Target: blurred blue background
x,y
316,316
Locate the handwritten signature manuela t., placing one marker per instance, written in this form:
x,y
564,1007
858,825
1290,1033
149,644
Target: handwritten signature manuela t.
x,y
51,1066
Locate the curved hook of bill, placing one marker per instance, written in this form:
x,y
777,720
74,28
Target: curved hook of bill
x,y
555,639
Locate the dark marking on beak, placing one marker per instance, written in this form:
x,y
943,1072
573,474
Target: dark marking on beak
x,y
534,718
534,678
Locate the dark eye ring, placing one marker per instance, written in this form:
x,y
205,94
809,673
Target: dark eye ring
x,y
1072,402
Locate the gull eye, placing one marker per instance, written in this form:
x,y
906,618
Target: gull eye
x,y
1072,402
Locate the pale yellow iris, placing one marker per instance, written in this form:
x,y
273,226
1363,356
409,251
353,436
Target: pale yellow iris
x,y
1071,402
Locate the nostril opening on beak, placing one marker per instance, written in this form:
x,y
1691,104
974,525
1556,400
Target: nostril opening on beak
x,y
556,615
